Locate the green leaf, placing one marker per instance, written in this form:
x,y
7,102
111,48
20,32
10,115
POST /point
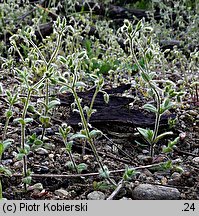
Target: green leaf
x,y
80,84
174,142
28,120
106,97
138,26
20,120
23,121
78,136
88,45
95,133
53,103
102,185
170,146
5,171
9,114
167,165
70,165
81,167
166,105
27,180
150,107
1,150
62,60
7,143
146,77
20,156
45,120
146,133
38,142
64,89
31,108
69,146
167,150
129,173
178,169
104,173
162,135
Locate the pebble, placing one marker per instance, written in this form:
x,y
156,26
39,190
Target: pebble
x,y
62,193
177,161
193,113
145,151
6,162
125,198
142,177
96,195
155,192
18,164
149,179
196,160
36,187
40,169
51,157
41,151
14,154
175,175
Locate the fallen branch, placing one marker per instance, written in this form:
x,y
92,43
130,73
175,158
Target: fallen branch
x,y
116,191
19,175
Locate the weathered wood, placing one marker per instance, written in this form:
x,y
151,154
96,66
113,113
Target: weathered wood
x,y
117,111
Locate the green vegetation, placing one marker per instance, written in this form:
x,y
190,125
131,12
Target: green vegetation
x,y
73,58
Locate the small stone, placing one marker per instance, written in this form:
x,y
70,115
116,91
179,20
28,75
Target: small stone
x,y
182,136
145,151
182,117
6,162
76,156
40,169
180,82
177,161
45,163
51,157
190,158
96,195
36,187
142,177
193,113
41,151
175,175
62,193
14,154
88,157
164,181
62,150
155,192
125,198
18,164
136,183
149,179
196,160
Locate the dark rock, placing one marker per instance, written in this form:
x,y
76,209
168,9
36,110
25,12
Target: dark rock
x,y
96,195
155,192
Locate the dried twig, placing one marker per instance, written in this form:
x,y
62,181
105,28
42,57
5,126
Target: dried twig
x,y
116,191
80,175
